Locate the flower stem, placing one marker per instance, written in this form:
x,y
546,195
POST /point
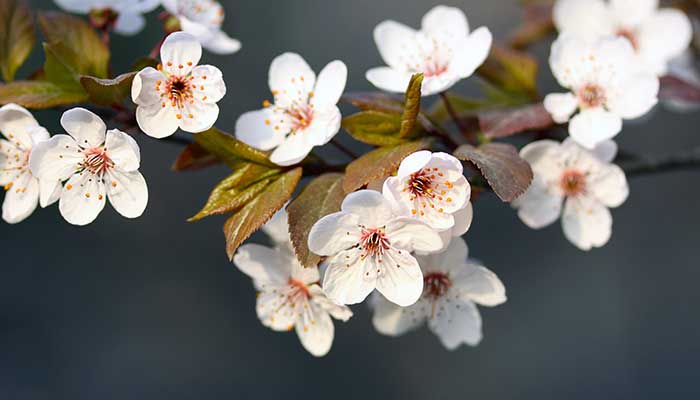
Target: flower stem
x,y
463,129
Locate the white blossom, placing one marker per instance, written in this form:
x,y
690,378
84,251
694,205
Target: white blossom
x,y
367,247
22,190
97,164
129,13
443,50
180,93
304,113
605,84
584,182
453,285
656,35
203,20
431,188
289,295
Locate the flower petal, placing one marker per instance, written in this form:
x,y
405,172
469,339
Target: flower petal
x,y
630,13
274,309
56,159
292,150
315,330
198,116
330,85
609,185
334,233
561,106
594,125
392,320
84,126
82,199
587,223
209,83
123,150
473,52
391,80
662,37
370,206
414,163
290,76
179,53
266,266
538,207
218,42
636,96
478,284
127,192
319,297
393,41
129,23
445,21
277,228
605,151
401,280
586,18
157,121
411,235
143,87
255,129
21,199
456,322
325,125
345,281
16,123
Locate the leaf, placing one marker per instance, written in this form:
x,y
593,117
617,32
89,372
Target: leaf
x,y
674,88
508,175
411,106
76,37
230,150
379,163
511,70
461,105
259,210
60,66
194,157
17,36
374,101
38,94
505,122
377,128
106,92
236,190
322,196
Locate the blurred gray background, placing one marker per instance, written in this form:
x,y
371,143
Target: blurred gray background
x,y
151,308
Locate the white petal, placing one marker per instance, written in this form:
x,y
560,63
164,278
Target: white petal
x,y
319,297
324,126
129,23
334,233
452,259
56,159
594,125
345,280
587,18
265,265
214,40
445,20
277,227
49,192
391,80
561,106
156,121
538,207
330,84
16,123
609,185
411,235
275,310
84,126
75,6
393,41
636,96
414,163
605,151
82,199
401,280
478,284
123,150
39,134
180,52
542,156
315,330
255,129
299,272
456,322
198,116
569,60
630,13
143,87
370,206
587,223
667,34
292,150
473,51
463,220
209,83
21,199
291,76
392,320
438,84
127,192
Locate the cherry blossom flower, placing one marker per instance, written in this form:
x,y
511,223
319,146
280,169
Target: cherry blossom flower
x,y
431,188
606,86
369,247
443,50
180,93
203,20
290,296
452,287
22,133
657,35
126,15
583,181
98,165
304,113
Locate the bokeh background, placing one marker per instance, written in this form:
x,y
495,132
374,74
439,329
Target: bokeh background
x,y
151,308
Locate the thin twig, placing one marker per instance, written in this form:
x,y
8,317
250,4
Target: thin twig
x,y
641,166
457,120
435,129
343,148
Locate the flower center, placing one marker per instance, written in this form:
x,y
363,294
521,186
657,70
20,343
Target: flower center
x,y
629,35
298,289
96,161
420,184
435,284
591,96
373,242
573,183
301,116
434,68
178,90
428,188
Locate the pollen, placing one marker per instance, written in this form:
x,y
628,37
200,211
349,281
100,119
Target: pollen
x,y
114,184
99,197
178,116
266,103
69,186
87,195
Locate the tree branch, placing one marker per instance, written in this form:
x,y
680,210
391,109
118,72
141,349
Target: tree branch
x,y
642,165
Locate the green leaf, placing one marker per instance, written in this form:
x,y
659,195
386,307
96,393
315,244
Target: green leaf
x,y
379,163
80,46
508,175
60,65
237,189
322,196
194,157
377,128
106,92
17,36
230,150
374,101
411,106
512,71
260,209
38,94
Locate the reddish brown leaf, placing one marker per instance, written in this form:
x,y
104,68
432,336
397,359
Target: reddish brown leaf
x,y
194,157
674,88
505,122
